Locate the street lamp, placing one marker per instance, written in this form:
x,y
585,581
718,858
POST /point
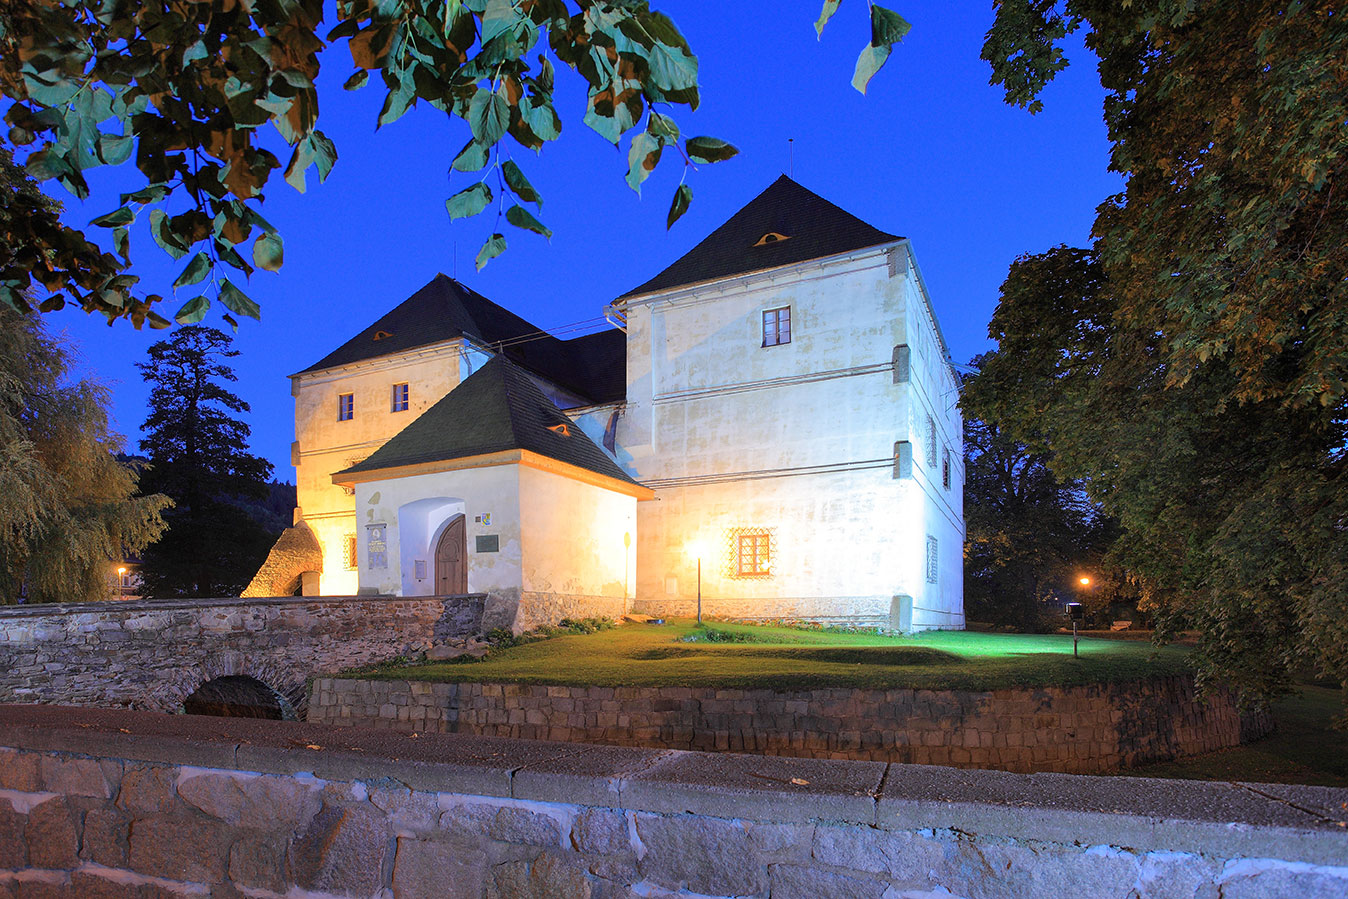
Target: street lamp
x,y
121,574
696,549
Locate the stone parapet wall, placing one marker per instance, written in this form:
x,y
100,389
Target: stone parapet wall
x,y
151,654
1090,729
98,804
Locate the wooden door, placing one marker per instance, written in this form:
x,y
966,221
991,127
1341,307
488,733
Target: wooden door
x,y
451,560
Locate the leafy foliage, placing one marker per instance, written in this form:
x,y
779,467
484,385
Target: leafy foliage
x,y
70,508
1231,513
1028,535
185,91
1191,366
196,446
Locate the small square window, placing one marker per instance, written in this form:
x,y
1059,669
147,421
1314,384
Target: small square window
x,y
346,406
753,555
777,326
399,397
945,467
349,552
933,561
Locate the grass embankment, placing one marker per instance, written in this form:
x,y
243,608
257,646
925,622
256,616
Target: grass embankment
x,y
789,658
1305,749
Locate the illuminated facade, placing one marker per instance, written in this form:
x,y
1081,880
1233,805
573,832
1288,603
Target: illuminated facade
x,y
779,403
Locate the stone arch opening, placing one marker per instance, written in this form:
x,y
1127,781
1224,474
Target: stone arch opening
x,y
239,696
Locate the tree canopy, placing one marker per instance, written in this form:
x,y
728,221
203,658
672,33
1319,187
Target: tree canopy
x,y
70,508
198,454
185,89
1190,366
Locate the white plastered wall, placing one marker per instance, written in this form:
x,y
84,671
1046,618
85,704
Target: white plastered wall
x,y
324,445
797,439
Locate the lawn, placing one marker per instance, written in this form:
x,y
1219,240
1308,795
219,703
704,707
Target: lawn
x,y
789,658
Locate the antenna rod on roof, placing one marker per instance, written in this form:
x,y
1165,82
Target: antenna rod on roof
x,y
791,157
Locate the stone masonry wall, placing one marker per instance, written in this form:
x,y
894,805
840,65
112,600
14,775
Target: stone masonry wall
x,y
1092,729
150,654
98,804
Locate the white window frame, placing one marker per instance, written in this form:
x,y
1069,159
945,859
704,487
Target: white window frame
x,y
346,406
401,402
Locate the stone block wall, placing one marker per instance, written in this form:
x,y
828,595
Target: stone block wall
x,y
151,654
1092,729
98,804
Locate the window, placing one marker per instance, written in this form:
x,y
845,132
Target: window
x,y
933,566
346,406
931,443
945,467
399,397
753,554
777,326
349,552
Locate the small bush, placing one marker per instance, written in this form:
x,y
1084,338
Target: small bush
x,y
503,638
705,634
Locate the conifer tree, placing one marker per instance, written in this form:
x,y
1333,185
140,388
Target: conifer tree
x,y
198,456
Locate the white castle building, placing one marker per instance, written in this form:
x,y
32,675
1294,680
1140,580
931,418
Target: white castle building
x,y
777,408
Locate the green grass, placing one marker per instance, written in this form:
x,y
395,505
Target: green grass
x,y
1305,749
789,658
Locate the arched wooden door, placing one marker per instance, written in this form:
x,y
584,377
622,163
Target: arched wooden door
x,y
451,559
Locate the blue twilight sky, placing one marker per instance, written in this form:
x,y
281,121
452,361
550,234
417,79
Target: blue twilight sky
x,y
932,154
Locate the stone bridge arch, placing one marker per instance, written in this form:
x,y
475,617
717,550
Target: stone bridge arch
x,y
170,694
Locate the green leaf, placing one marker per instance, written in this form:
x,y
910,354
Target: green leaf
x,y
663,127
157,321
152,194
236,300
472,158
193,311
488,116
672,70
269,252
519,217
358,79
494,247
868,63
830,7
682,197
642,158
121,216
115,149
195,272
161,229
709,149
520,184
887,27
469,201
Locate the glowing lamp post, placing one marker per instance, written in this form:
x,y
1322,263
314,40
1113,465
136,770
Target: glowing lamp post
x,y
696,549
121,589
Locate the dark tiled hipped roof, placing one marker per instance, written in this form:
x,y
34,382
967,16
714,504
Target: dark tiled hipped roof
x,y
813,228
497,408
593,366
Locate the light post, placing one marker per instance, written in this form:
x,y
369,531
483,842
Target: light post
x,y
696,549
1078,612
121,588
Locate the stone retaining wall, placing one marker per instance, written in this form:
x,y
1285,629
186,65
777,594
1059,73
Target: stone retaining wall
x,y
98,804
1092,729
151,654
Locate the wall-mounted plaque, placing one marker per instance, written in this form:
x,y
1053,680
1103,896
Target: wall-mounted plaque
x,y
489,543
376,546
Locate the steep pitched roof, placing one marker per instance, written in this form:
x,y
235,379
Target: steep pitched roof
x,y
497,408
444,310
812,227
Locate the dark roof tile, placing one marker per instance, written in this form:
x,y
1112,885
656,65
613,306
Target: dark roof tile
x,y
813,226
